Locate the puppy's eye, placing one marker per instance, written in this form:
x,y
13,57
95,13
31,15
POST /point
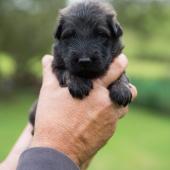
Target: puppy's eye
x,y
103,33
68,34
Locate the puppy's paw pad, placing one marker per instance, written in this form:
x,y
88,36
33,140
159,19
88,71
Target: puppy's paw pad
x,y
121,95
80,90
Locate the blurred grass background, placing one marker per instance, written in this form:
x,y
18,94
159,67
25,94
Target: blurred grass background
x,y
142,139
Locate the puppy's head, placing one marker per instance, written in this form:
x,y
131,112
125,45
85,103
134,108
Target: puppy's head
x,y
88,38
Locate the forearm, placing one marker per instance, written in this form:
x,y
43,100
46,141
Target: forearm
x,y
21,145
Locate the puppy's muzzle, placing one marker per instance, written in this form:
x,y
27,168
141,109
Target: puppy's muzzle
x,y
85,61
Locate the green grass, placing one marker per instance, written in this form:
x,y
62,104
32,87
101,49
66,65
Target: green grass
x,y
141,141
13,117
148,69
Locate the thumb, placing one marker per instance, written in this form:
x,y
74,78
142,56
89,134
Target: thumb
x,y
115,70
48,75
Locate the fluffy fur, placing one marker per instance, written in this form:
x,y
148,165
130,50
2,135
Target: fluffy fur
x,y
87,39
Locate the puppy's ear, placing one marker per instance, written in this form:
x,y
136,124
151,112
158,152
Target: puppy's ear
x,y
115,27
59,30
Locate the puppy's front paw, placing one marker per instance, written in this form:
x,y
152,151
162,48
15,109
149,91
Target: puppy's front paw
x,y
120,94
63,77
80,88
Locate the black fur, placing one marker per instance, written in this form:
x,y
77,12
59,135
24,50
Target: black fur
x,y
87,40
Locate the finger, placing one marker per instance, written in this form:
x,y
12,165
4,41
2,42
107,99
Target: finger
x,y
122,112
48,75
115,70
133,90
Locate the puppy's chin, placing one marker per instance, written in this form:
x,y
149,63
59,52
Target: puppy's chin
x,y
88,74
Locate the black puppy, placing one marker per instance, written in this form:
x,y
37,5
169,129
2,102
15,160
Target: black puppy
x,y
87,41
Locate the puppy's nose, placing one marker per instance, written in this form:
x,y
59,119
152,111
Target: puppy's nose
x,y
84,61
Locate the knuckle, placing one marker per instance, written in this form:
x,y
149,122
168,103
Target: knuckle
x,y
122,63
120,67
46,60
126,110
103,99
134,91
123,112
104,102
124,59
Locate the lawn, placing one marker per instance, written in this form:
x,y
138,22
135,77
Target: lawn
x,y
145,69
142,139
142,142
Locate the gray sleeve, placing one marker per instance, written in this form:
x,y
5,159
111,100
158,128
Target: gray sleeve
x,y
45,159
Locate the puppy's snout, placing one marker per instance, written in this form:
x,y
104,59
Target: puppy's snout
x,y
84,61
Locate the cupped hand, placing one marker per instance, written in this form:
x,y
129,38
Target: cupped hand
x,y
78,128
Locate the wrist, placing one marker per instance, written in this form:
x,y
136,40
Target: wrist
x,y
58,146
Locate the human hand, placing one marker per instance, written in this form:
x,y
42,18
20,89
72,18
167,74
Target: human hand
x,y
78,128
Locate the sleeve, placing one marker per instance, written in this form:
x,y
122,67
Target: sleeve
x,y
46,159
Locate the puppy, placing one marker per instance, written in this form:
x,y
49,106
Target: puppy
x,y
87,39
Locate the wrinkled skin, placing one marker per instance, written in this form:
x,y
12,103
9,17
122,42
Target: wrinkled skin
x,y
87,40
